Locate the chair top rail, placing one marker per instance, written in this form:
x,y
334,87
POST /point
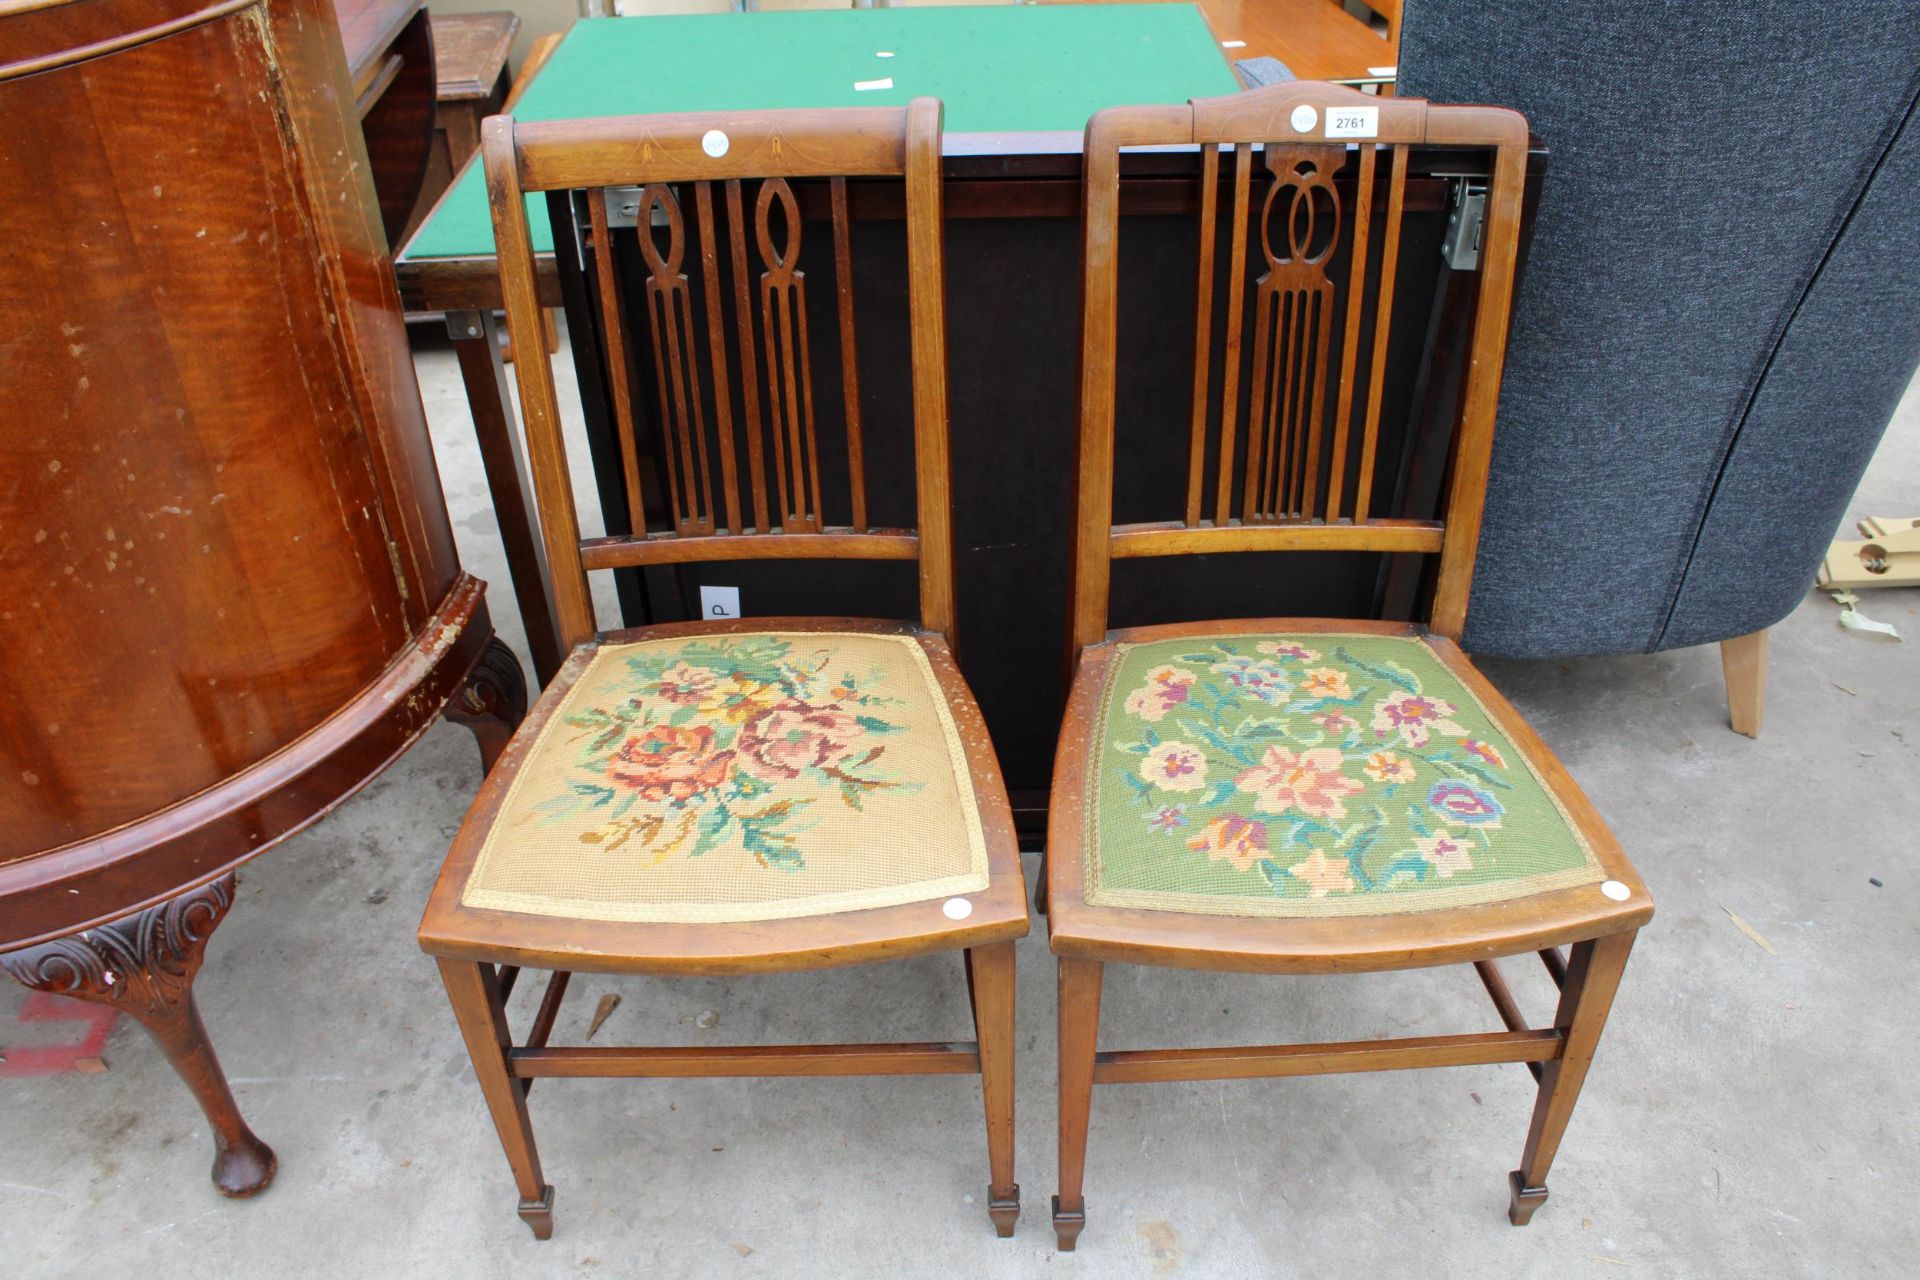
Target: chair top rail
x,y
705,146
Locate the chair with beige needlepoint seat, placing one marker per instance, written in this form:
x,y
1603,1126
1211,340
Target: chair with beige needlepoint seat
x,y
1289,796
747,796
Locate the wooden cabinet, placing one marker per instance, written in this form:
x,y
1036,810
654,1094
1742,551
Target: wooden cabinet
x,y
390,63
228,587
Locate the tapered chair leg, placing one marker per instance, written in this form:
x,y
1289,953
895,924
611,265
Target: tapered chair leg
x,y
1743,660
991,969
474,990
1079,1038
1593,975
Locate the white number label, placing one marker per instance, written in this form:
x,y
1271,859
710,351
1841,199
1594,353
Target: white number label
x,y
1353,122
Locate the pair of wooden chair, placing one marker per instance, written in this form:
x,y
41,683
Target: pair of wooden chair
x,y
1274,796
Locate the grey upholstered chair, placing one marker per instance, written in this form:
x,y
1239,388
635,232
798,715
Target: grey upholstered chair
x,y
1719,314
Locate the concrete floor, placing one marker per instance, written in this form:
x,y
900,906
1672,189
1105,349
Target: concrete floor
x,y
1749,1113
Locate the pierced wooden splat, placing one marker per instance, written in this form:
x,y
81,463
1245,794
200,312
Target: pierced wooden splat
x,y
751,318
783,319
1293,313
1298,453
777,343
670,320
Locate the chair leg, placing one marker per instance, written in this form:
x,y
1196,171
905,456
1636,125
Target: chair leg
x,y
1593,975
474,990
1079,1037
1743,660
991,974
1040,886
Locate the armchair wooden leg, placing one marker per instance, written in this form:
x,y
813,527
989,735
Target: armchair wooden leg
x,y
992,973
1079,1037
474,990
1744,660
1593,975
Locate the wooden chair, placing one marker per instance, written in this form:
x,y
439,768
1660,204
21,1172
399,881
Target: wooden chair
x,y
750,796
1295,796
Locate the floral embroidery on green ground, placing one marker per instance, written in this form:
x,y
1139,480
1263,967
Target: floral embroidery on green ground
x,y
1335,774
726,738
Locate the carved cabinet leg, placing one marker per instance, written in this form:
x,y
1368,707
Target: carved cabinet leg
x,y
145,964
492,701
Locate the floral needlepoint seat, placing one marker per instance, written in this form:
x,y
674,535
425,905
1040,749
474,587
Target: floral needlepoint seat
x,y
738,777
1312,775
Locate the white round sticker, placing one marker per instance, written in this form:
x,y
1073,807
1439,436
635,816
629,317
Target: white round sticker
x,y
1617,891
956,908
714,143
1304,118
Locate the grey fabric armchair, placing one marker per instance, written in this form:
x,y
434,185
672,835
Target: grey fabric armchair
x,y
1719,314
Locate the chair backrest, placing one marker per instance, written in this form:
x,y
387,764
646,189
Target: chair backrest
x,y
1285,423
708,157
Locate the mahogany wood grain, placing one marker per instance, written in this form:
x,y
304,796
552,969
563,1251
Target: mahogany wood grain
x,y
229,594
1288,441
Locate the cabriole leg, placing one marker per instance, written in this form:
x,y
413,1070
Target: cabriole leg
x,y
144,964
492,701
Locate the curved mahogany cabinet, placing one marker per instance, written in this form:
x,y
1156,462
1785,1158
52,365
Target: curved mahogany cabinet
x,y
228,587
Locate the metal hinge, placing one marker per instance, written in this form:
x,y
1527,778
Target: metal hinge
x,y
623,206
1465,221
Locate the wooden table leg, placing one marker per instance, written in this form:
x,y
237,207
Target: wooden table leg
x,y
145,963
476,342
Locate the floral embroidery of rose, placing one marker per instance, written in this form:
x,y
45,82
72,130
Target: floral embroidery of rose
x,y
1310,782
1166,688
1175,766
783,740
1264,680
1415,718
1444,853
668,763
1241,841
684,683
1466,804
1283,649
